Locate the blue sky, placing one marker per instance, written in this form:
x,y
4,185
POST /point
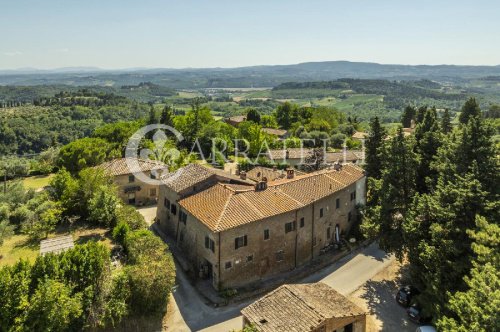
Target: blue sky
x,y
220,33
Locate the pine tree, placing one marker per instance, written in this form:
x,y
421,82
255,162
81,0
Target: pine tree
x,y
374,147
469,110
446,122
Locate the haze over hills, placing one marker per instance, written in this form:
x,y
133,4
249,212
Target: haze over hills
x,y
244,77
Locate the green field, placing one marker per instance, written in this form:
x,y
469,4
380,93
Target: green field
x,y
37,182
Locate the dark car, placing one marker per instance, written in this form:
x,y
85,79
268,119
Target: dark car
x,y
405,295
415,314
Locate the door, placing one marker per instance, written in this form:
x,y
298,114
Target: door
x,y
131,198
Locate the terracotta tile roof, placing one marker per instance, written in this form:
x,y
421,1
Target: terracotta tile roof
x,y
259,172
350,156
120,167
293,153
273,131
192,174
186,177
237,118
222,207
298,308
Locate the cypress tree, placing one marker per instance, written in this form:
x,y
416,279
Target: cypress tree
x,y
374,147
446,122
167,116
470,109
409,114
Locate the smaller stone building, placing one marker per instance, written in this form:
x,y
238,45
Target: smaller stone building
x,y
304,307
130,189
298,156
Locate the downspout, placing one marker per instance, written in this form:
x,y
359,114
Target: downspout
x,y
296,236
312,234
178,225
218,264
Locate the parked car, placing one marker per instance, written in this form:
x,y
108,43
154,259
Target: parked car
x,y
425,328
415,314
405,295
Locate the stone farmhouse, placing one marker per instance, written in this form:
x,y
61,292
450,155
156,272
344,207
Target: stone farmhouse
x,y
235,231
130,189
297,156
304,307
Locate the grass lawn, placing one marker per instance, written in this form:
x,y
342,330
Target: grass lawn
x,y
17,247
37,182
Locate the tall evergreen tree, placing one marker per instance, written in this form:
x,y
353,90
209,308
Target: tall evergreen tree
x,y
253,115
476,308
446,122
408,116
374,147
428,140
420,114
167,116
395,196
438,245
470,109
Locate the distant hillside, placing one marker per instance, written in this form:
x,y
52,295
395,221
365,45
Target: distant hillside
x,y
256,76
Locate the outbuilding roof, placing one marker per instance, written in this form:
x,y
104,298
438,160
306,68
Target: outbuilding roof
x,y
298,308
120,166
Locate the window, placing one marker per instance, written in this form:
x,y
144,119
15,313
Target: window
x,y
266,234
249,258
182,217
321,213
280,256
166,203
240,242
301,222
173,209
337,203
209,244
181,237
131,178
290,226
353,195
152,192
152,176
349,216
328,233
228,265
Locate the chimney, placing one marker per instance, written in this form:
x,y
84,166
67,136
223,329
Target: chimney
x,y
261,185
287,154
243,175
290,173
275,168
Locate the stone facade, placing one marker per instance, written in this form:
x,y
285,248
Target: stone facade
x,y
250,252
135,192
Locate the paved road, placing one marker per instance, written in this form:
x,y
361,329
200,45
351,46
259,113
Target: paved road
x,y
188,312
